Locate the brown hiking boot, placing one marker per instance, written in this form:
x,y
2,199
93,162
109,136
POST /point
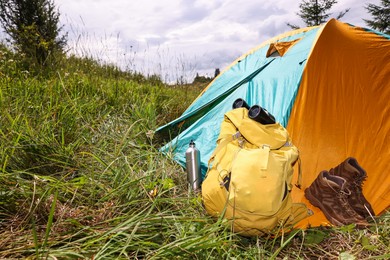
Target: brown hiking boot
x,y
355,175
330,194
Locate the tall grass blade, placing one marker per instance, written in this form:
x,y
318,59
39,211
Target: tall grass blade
x,y
50,219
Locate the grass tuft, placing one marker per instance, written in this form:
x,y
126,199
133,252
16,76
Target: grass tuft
x,y
81,176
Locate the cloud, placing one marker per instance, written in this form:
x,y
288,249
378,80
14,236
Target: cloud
x,y
156,36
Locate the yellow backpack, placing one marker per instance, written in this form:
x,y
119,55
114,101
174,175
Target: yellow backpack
x,y
249,177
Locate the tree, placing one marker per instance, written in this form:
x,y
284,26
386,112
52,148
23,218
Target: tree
x,y
315,12
381,16
216,72
201,79
32,26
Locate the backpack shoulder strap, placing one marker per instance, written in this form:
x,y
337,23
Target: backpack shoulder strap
x,y
299,180
224,140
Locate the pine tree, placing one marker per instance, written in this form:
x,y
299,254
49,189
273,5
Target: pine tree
x,y
32,26
315,12
381,16
216,72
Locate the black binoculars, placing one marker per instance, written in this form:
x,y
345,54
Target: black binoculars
x,y
255,112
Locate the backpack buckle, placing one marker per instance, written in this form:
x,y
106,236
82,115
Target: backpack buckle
x,y
266,146
236,135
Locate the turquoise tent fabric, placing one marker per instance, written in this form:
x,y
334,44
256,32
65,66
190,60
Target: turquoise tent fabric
x,y
329,87
269,82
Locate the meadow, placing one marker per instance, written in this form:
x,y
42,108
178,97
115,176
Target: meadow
x,y
81,176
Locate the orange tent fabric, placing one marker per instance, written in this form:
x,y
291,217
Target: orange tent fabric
x,y
343,109
328,84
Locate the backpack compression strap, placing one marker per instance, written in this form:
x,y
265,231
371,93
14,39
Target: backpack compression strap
x,y
224,141
228,138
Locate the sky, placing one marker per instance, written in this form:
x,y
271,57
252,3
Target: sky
x,y
176,39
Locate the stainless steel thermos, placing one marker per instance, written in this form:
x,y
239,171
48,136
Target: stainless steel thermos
x,y
193,166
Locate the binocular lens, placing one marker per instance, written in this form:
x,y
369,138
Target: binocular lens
x,y
261,115
240,103
255,112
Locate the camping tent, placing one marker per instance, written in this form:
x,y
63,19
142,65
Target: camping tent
x,y
329,85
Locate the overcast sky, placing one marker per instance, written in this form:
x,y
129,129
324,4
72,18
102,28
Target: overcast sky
x,y
179,38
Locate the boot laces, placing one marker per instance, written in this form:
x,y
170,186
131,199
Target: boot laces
x,y
359,182
343,197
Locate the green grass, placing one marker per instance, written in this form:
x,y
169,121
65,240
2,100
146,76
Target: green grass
x,y
81,177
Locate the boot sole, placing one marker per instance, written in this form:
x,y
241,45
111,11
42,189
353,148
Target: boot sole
x,y
313,200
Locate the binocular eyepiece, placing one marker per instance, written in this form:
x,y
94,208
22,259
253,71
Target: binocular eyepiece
x,y
255,112
240,103
261,115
